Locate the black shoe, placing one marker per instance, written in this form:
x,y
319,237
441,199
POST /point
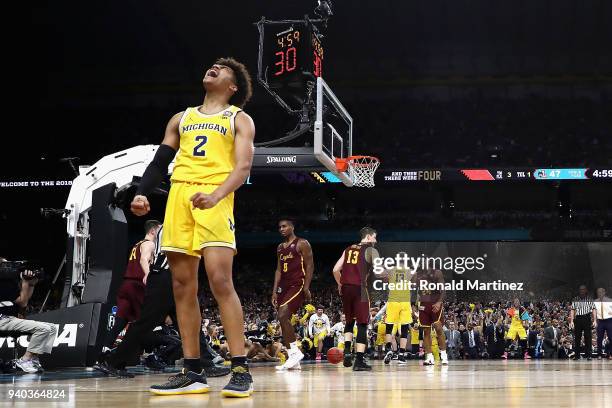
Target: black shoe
x,y
152,362
107,369
388,357
589,358
348,359
217,371
361,365
123,373
185,382
240,385
401,359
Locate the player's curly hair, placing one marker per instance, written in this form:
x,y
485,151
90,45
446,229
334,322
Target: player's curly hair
x,y
243,81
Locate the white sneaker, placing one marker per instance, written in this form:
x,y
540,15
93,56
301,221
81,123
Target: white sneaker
x,y
429,360
444,359
27,366
293,360
296,367
39,367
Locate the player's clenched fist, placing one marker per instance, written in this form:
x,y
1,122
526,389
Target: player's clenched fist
x,y
203,201
140,205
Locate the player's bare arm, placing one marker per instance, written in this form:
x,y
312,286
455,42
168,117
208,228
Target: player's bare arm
x,y
147,249
243,155
414,281
440,279
27,289
305,250
337,271
277,276
158,168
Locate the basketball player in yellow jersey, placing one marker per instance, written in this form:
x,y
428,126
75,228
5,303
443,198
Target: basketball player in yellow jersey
x,y
516,329
215,151
399,311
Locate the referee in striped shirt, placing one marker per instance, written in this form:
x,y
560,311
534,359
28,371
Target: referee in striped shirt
x,y
583,319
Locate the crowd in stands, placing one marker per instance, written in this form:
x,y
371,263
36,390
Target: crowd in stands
x,y
486,132
547,328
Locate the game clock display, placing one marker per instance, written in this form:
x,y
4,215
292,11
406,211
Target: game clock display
x,y
294,52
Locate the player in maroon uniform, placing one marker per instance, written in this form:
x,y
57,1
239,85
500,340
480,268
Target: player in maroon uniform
x,y
351,273
131,292
431,311
294,270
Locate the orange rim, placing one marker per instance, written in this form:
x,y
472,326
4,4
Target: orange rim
x,y
343,163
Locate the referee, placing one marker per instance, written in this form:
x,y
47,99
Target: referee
x,y
158,303
582,319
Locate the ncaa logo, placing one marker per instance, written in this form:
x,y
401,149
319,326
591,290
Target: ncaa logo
x,y
227,114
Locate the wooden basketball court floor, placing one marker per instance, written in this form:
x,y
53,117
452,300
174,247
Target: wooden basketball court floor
x,y
506,384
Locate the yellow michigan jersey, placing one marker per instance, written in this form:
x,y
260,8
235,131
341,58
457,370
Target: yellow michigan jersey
x,y
398,304
204,160
398,277
206,152
516,327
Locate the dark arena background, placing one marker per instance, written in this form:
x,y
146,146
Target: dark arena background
x,y
487,124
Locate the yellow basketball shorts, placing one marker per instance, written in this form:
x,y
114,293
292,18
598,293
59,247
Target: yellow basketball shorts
x,y
319,337
188,230
399,313
516,330
380,333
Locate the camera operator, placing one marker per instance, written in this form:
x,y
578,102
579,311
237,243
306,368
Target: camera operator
x,y
16,289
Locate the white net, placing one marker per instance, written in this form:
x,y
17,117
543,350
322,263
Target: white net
x,y
361,170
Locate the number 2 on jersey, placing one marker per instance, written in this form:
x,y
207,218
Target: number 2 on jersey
x,y
352,257
198,150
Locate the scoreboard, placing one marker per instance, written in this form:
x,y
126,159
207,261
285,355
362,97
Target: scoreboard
x,y
494,174
383,177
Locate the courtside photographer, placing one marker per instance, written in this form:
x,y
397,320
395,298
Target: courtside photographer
x,y
17,282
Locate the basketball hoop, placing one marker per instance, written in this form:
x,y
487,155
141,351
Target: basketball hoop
x,y
361,169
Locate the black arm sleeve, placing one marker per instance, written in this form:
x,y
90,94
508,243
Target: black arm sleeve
x,y
156,170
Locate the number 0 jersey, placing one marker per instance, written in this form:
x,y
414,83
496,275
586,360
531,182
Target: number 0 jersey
x,y
206,151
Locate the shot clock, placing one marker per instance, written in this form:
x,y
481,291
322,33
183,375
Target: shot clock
x,y
290,59
294,54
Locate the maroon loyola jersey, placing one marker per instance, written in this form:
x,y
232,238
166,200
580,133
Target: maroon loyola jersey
x,y
355,269
291,264
428,295
134,270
